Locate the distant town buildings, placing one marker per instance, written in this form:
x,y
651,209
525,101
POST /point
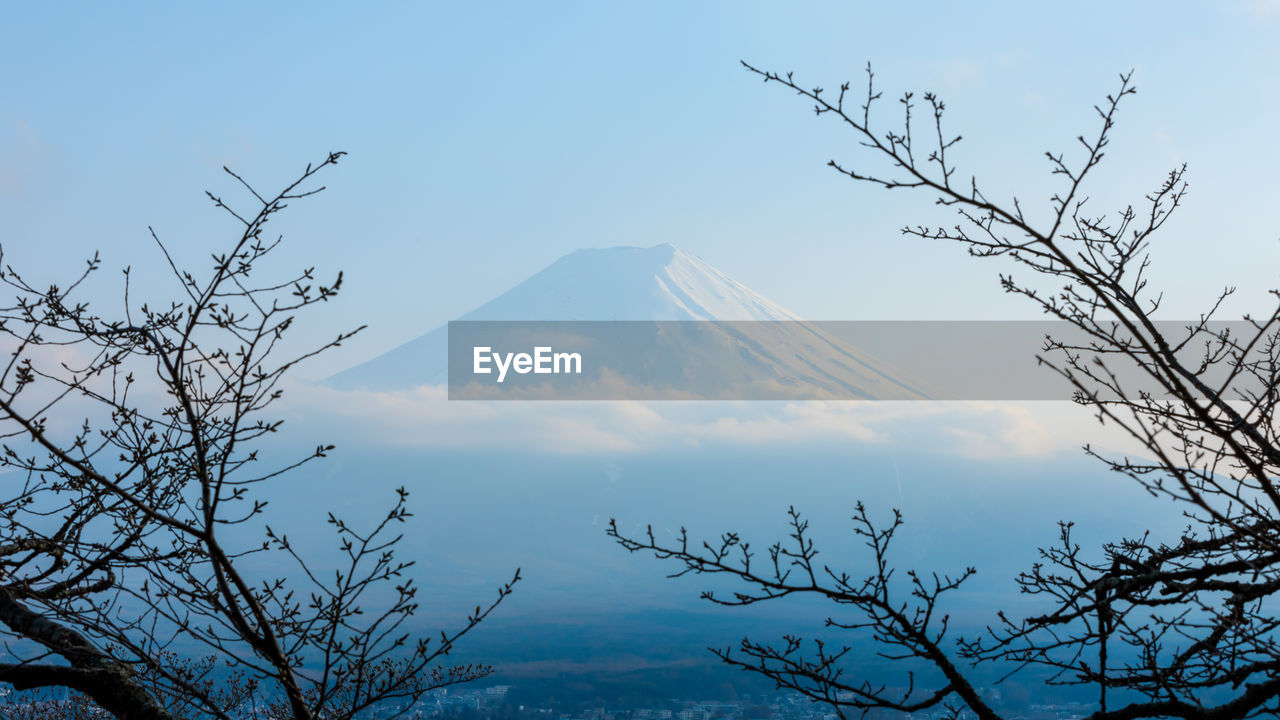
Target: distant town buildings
x,y
491,704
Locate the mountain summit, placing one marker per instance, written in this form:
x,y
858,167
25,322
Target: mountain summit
x,y
617,283
659,283
630,283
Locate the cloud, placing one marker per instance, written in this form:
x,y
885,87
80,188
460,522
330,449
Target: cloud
x,y
960,72
425,417
22,154
1260,9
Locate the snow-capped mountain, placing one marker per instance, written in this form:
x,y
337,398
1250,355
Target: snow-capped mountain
x,y
659,283
630,283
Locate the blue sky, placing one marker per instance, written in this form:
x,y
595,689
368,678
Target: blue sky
x,y
488,139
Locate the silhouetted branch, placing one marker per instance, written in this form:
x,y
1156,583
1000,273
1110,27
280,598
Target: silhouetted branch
x,y
114,548
1180,624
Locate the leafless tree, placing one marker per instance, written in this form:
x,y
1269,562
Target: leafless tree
x,y
1177,627
124,534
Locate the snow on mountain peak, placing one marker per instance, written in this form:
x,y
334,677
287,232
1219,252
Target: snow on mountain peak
x,y
618,283
630,283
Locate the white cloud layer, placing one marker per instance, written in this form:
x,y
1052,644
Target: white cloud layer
x,y
424,417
